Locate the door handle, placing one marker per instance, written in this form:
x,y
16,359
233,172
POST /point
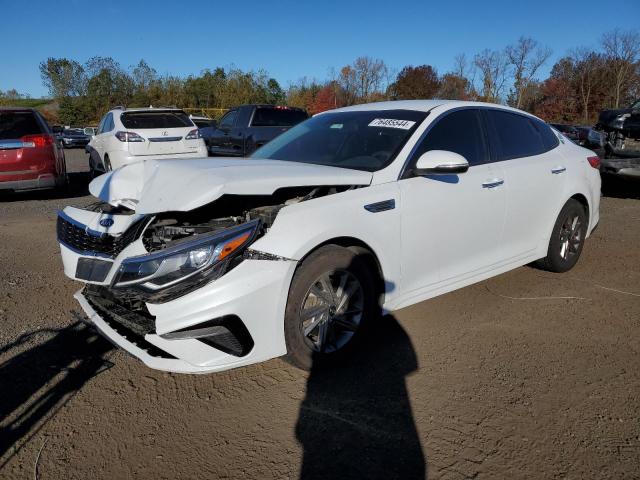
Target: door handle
x,y
496,182
558,170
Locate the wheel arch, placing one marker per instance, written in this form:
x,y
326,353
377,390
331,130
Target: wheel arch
x,y
369,256
582,199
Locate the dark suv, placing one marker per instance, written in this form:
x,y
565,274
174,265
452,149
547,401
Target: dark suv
x,y
30,156
246,128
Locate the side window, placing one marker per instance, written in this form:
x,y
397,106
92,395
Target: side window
x,y
109,123
515,135
101,125
229,120
549,139
458,132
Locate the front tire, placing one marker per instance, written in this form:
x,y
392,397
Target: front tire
x,y
331,300
567,239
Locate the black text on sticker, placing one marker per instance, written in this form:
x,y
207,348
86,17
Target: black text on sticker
x,y
392,123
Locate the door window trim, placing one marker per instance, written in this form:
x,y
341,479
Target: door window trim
x,y
412,159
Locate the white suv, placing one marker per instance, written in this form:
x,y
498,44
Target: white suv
x,y
129,135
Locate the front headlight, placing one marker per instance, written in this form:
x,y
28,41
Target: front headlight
x,y
197,258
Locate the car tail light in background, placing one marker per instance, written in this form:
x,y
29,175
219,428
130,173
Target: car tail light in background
x,y
129,137
193,135
36,141
594,161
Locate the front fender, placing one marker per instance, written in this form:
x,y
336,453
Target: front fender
x,y
300,228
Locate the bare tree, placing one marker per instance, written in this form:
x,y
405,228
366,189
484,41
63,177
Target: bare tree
x,y
370,74
526,58
492,66
622,50
589,74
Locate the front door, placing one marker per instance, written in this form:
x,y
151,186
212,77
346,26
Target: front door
x,y
452,224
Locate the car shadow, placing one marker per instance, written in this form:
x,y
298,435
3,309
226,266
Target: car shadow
x,y
356,420
37,380
619,187
78,186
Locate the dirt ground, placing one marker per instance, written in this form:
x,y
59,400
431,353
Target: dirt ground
x,y
527,375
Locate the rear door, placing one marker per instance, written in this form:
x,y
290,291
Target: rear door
x,y
164,131
534,178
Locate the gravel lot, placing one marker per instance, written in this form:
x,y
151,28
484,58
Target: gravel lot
x,y
527,375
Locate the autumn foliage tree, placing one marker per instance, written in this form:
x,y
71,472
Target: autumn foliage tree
x,y
419,82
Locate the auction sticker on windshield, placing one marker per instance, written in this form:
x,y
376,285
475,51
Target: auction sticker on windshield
x,y
392,123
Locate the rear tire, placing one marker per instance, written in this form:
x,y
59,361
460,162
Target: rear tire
x,y
567,239
331,301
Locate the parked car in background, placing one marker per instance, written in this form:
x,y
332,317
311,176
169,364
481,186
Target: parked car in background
x,y
568,131
621,128
128,135
90,131
201,266
589,138
200,122
30,156
246,128
74,137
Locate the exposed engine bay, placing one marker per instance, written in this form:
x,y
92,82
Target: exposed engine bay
x,y
228,211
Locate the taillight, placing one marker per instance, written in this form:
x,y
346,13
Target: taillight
x,y
129,137
594,161
193,135
36,141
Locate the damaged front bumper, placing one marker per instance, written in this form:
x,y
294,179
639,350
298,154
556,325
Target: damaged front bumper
x,y
232,321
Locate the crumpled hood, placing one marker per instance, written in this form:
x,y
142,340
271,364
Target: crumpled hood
x,y
154,186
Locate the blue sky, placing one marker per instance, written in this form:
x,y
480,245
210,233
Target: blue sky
x,y
289,39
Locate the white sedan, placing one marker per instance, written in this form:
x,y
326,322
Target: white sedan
x,y
209,264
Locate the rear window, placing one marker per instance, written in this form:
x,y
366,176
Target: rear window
x,y
142,120
19,124
202,123
277,117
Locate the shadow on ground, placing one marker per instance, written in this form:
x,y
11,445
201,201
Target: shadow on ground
x,y
356,420
39,380
78,186
619,187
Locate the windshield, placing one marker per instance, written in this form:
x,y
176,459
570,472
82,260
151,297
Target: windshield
x,y
365,140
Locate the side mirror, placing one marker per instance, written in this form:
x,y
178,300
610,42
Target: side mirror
x,y
440,162
56,129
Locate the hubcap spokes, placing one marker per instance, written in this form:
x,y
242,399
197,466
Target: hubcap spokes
x,y
570,237
331,311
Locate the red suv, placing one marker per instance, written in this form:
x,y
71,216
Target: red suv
x,y
30,156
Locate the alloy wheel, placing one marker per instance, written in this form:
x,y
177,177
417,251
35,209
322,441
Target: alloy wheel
x,y
570,236
331,311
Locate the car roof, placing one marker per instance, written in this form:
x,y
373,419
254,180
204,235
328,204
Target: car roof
x,y
148,109
424,106
17,109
